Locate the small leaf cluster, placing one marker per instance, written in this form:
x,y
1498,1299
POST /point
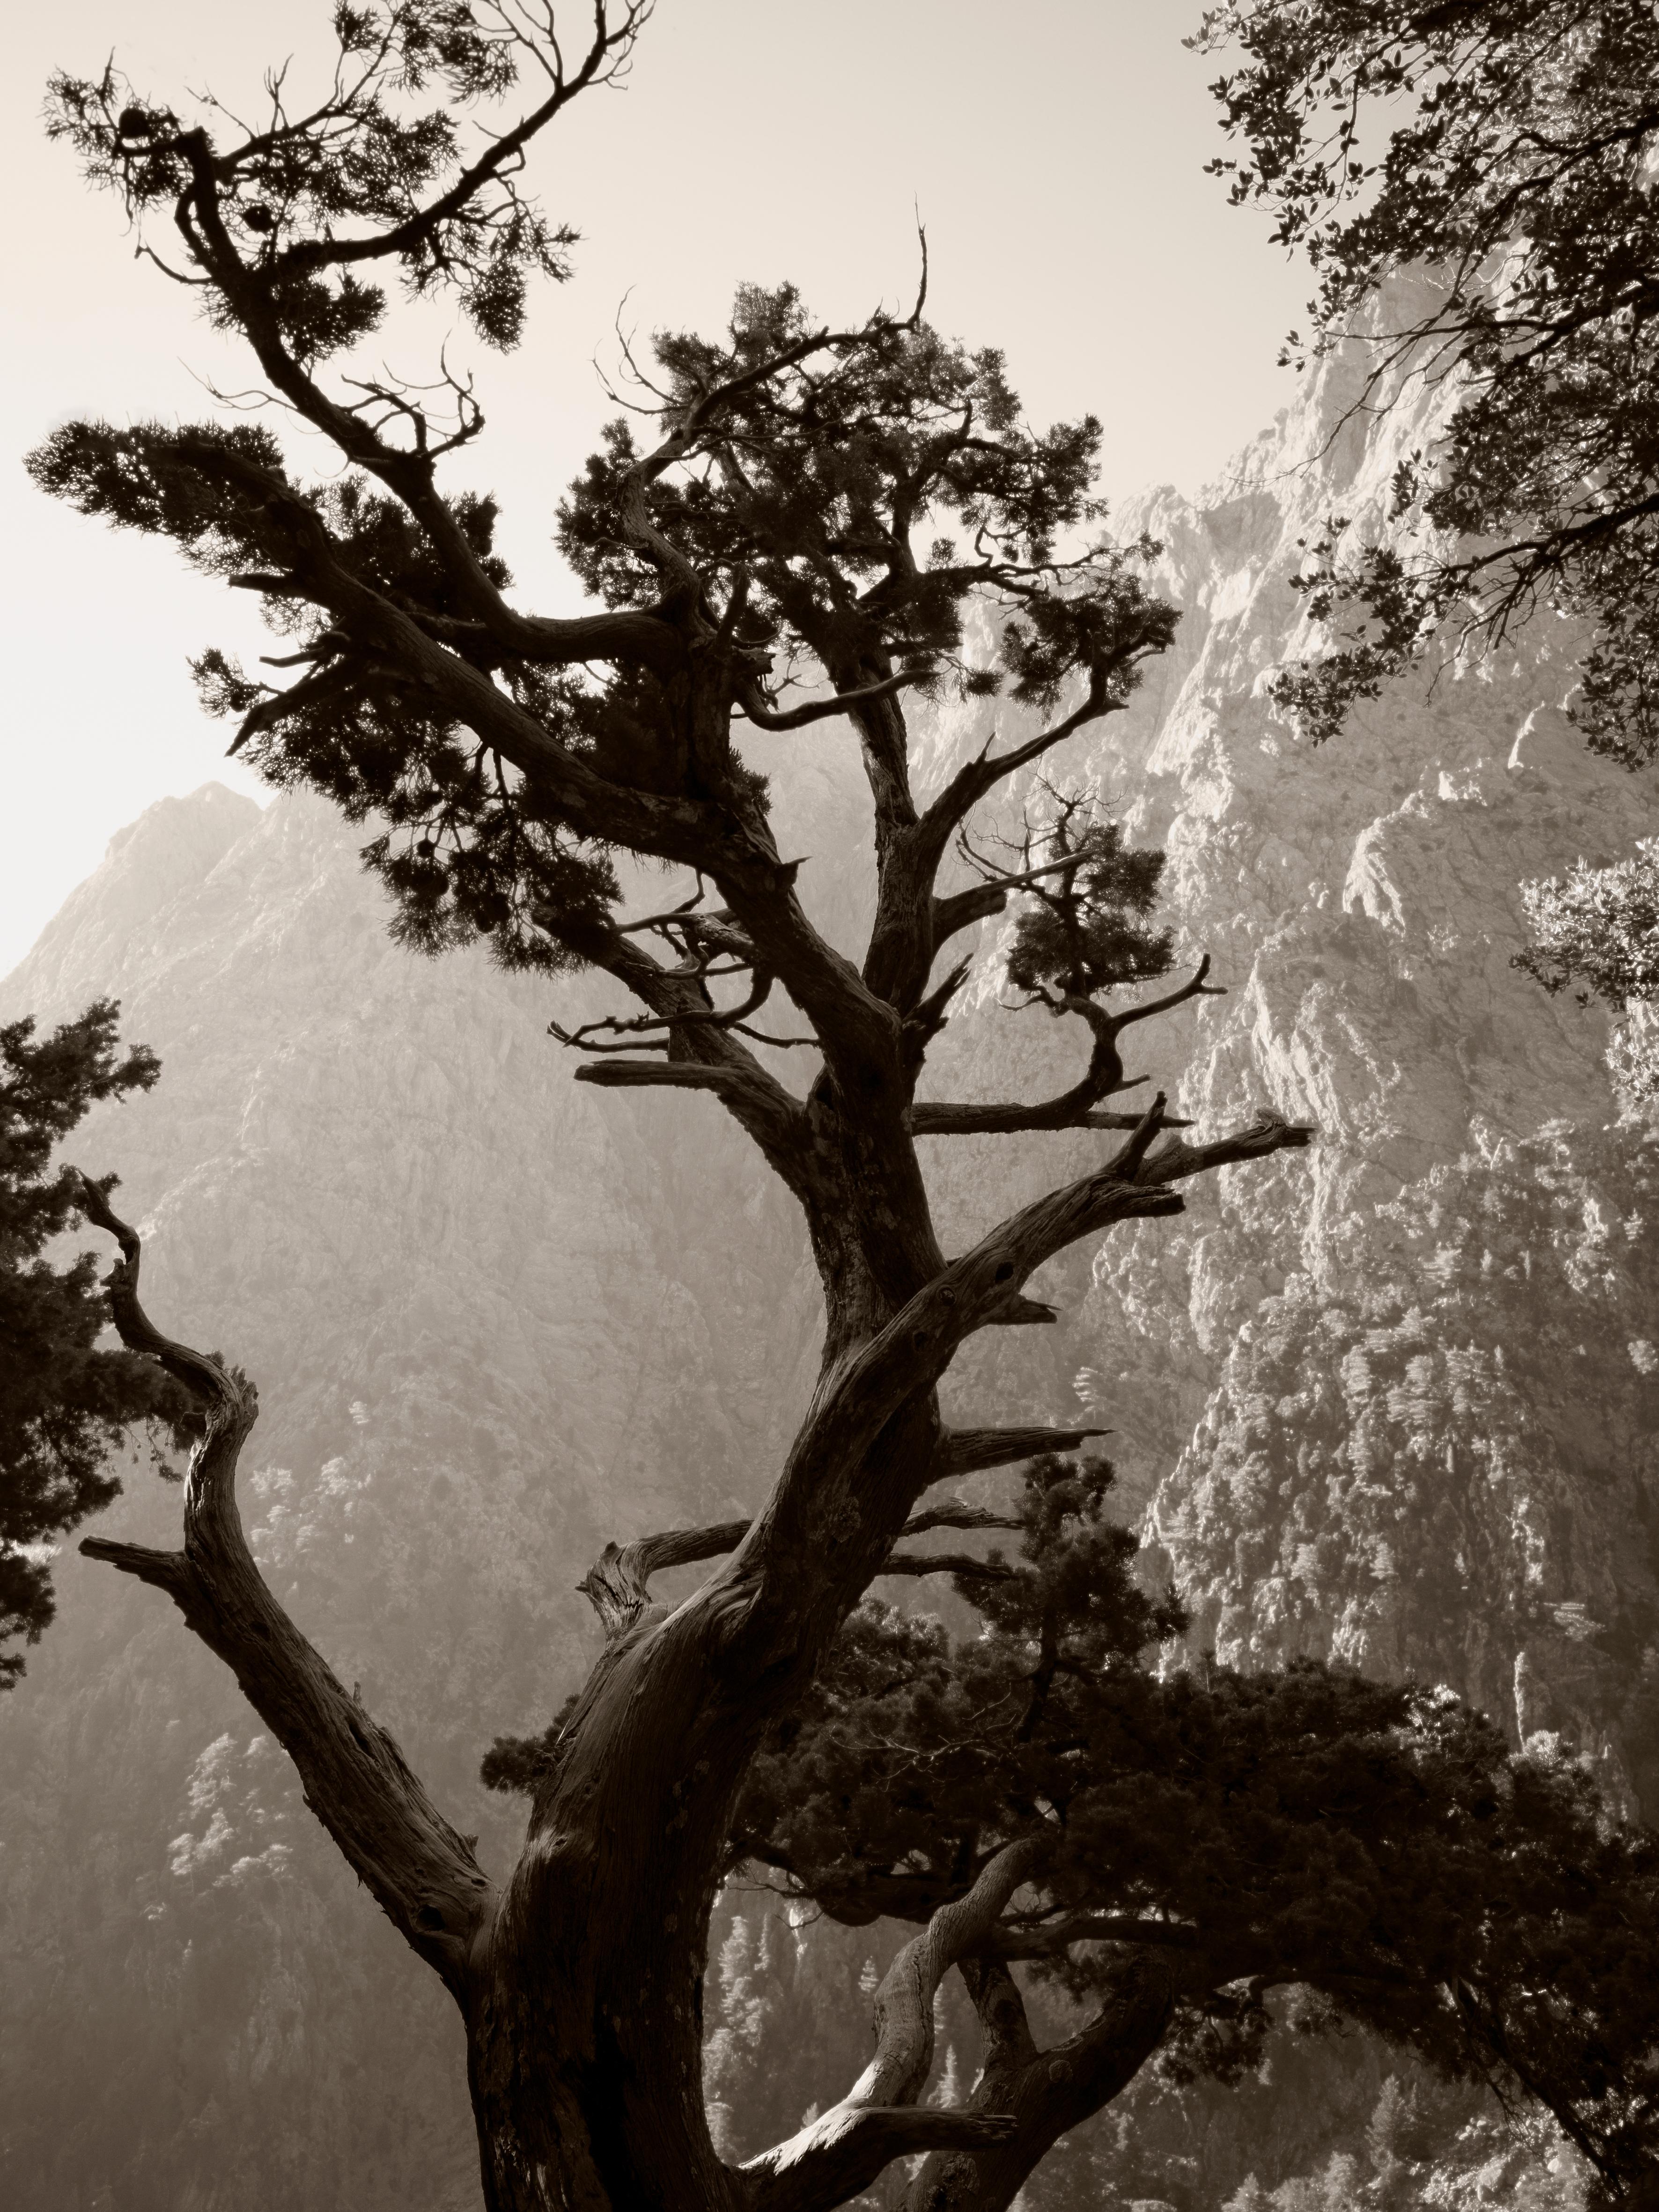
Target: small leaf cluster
x,y
296,197
65,1401
1082,929
1597,928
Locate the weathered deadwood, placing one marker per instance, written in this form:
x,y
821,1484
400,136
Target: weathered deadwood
x,y
1045,2092
970,1451
617,1585
823,2164
420,1871
947,1562
954,1515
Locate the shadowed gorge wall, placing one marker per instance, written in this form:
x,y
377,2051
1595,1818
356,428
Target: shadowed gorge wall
x,y
1395,1400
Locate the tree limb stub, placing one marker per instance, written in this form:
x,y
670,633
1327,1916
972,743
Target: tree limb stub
x,y
970,1451
617,1585
800,2173
420,1871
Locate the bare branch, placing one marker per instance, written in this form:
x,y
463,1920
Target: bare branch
x,y
938,1119
616,1585
976,777
984,899
833,2156
163,1571
1076,1108
660,1074
422,1873
702,1056
947,1562
957,1515
820,710
970,1451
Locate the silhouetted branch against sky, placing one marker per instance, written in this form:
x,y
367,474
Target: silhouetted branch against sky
x,y
1103,246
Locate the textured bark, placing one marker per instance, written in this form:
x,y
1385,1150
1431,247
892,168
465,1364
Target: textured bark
x,y
1044,2092
579,1982
421,1872
845,2149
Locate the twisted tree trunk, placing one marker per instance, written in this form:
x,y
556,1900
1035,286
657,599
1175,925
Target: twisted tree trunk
x,y
580,1980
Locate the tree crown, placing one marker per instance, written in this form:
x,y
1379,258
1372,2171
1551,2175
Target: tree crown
x,y
1505,150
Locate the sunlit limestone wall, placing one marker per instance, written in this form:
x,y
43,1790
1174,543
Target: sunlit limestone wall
x,y
1395,1400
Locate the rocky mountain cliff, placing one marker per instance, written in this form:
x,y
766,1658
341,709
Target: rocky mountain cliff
x,y
1395,1400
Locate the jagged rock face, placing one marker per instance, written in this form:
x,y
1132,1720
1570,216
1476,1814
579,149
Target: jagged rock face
x,y
1393,1400
1418,1366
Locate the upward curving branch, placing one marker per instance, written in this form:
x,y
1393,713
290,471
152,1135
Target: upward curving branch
x,y
421,1873
1044,2093
876,2121
837,1474
1074,1108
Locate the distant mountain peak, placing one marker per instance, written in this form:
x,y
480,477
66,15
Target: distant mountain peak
x,y
170,848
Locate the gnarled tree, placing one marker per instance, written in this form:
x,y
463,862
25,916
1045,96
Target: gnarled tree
x,y
799,536
1168,1850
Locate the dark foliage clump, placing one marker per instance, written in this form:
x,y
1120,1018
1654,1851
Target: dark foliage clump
x,y
66,1402
1504,152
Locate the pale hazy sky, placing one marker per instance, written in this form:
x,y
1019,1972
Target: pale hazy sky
x,y
1055,149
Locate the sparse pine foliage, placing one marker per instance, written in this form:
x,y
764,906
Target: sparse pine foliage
x,y
66,1401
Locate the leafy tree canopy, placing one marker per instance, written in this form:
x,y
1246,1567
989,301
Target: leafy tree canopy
x,y
1376,1843
66,1402
1504,149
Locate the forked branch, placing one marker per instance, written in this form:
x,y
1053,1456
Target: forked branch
x,y
1077,1108
843,2150
617,1585
421,1873
906,1358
